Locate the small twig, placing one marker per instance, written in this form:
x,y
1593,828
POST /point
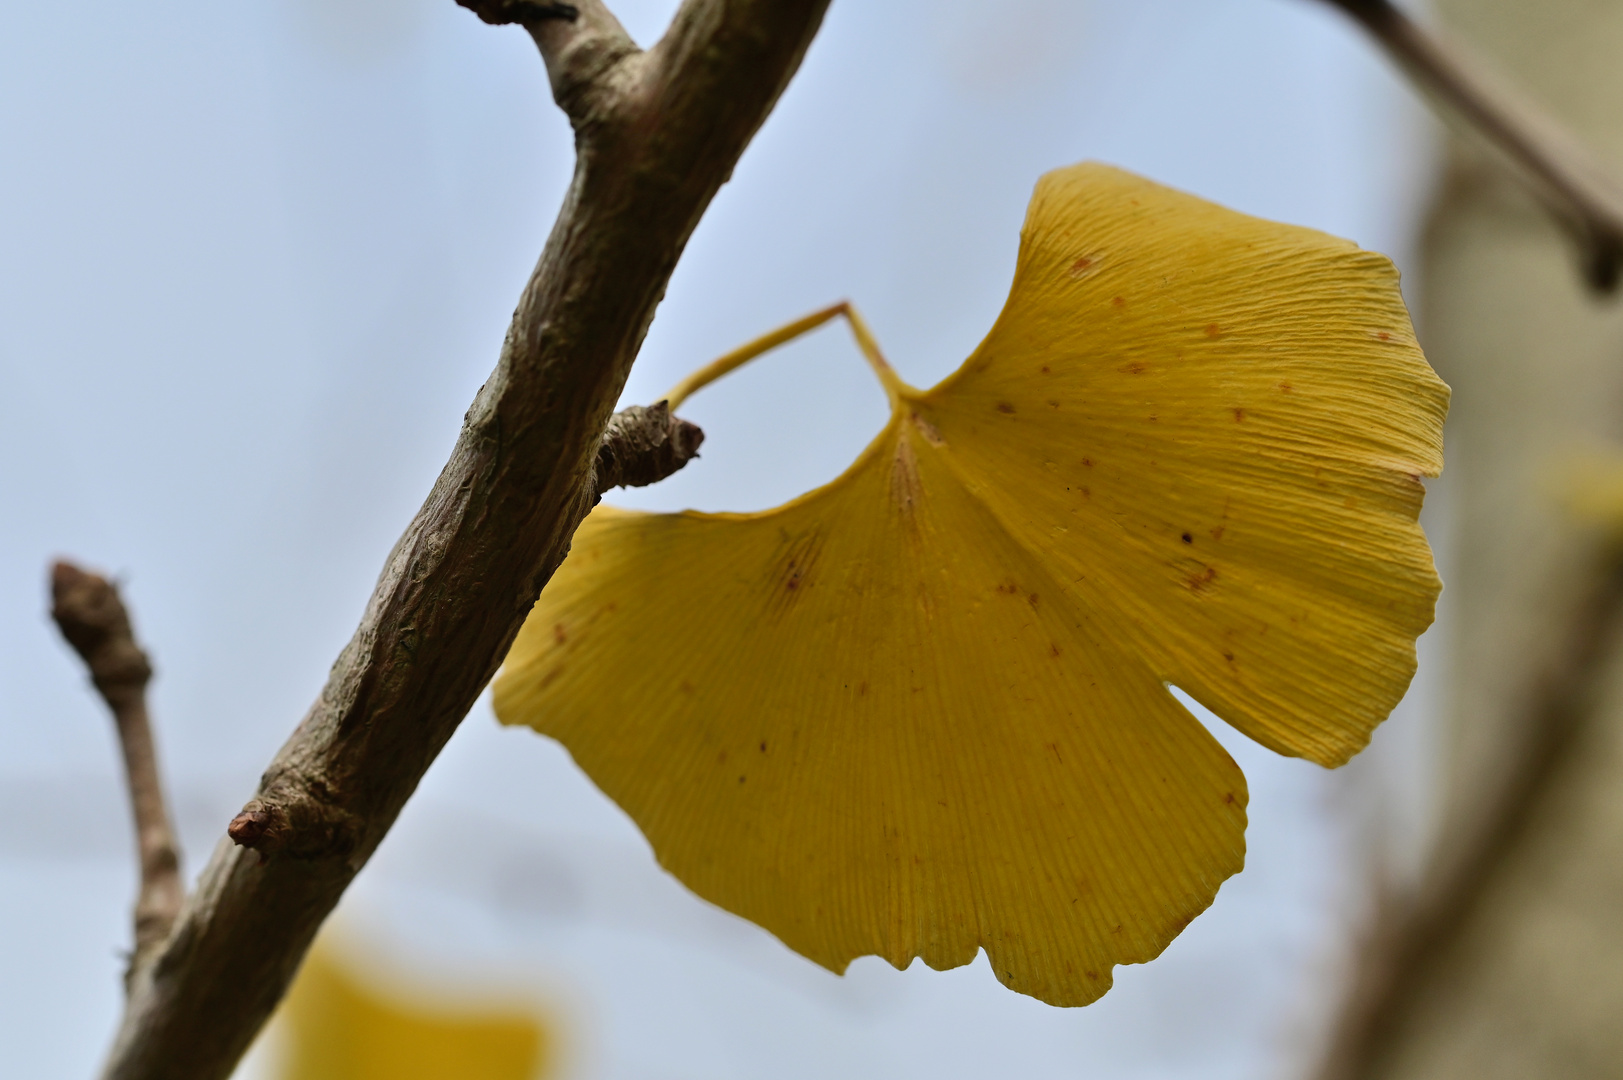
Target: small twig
x,y
505,12
91,616
643,445
1554,162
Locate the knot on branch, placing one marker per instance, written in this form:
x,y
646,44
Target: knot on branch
x,y
290,817
643,445
504,12
259,826
92,618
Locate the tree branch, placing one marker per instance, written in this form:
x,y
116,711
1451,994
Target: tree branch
x,y
1554,162
90,614
657,133
1410,932
641,445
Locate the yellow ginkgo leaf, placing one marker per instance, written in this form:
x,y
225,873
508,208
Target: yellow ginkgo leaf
x,y
336,1027
924,710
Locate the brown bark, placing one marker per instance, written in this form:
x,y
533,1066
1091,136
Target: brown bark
x,y
656,134
91,615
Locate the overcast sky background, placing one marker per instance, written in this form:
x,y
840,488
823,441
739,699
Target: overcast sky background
x,y
256,259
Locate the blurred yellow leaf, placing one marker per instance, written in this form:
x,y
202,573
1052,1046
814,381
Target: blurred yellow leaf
x,y
924,709
337,1027
1590,483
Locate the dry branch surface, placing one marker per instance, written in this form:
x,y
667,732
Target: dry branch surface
x,y
657,133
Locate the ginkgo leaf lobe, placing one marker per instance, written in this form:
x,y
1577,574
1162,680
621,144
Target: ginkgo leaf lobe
x,y
923,710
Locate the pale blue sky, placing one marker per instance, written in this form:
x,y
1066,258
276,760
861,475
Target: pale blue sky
x,y
256,258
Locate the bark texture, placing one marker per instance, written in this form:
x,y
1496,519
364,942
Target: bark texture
x,y
642,445
92,617
656,134
1510,963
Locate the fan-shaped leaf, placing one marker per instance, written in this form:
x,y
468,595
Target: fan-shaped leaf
x,y
924,709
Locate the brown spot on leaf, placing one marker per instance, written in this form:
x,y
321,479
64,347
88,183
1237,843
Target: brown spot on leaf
x,y
1032,599
1285,387
1045,370
862,689
1217,533
1239,416
558,634
1200,579
1213,330
1132,367
1118,301
1005,408
1188,539
1084,265
792,573
1053,650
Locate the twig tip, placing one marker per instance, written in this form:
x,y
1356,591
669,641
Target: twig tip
x,y
506,12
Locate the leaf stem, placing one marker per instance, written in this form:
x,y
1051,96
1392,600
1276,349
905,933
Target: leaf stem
x,y
894,387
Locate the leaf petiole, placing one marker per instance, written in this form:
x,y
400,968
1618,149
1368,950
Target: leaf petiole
x,y
894,387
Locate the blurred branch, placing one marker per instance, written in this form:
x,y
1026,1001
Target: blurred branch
x,y
1409,932
1555,164
656,134
90,614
